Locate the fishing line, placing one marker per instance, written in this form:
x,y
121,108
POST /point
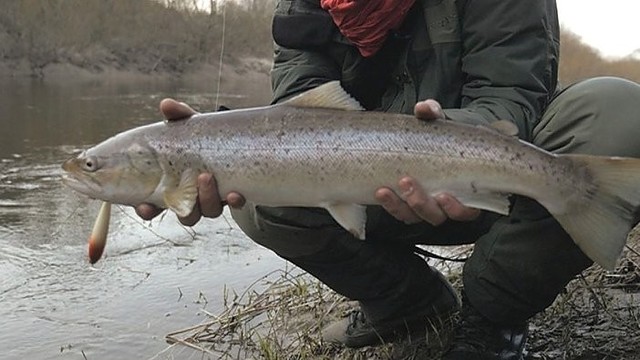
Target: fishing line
x,y
224,28
70,216
148,228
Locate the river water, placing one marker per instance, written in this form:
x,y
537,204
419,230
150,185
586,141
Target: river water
x,y
155,277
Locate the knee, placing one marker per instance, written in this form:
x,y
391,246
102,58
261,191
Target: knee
x,y
597,116
289,232
606,90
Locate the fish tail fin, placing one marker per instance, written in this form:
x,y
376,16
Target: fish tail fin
x,y
600,220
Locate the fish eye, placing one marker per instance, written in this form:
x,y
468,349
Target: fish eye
x,y
90,164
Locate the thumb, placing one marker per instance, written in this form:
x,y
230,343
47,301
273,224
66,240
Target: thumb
x,y
428,110
174,110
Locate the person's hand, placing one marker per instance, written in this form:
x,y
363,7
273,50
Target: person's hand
x,y
413,205
209,202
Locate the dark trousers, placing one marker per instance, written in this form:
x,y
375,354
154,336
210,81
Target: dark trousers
x,y
520,262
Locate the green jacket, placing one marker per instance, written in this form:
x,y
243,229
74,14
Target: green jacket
x,y
483,60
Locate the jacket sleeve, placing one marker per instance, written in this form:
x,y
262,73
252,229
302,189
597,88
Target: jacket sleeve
x,y
509,61
303,33
295,71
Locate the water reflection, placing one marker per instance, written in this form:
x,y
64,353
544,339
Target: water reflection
x,y
53,303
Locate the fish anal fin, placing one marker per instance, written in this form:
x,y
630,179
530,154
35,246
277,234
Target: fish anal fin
x,y
352,217
491,201
330,95
182,198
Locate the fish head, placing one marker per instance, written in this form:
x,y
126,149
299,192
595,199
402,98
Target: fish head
x,y
119,172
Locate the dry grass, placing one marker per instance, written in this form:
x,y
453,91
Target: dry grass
x,y
279,314
280,317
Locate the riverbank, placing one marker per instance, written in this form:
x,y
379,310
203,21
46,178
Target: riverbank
x,y
248,76
245,73
597,317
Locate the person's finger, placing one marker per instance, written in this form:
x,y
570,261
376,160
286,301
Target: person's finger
x,y
235,200
147,211
395,206
208,197
454,209
174,110
192,218
428,110
423,205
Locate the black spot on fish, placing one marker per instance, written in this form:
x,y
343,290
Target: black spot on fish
x,y
473,187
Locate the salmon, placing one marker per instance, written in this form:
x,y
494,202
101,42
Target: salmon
x,y
319,149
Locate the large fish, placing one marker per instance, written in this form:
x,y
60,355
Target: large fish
x,y
317,150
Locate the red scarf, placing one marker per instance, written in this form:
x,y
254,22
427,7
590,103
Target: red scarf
x,y
366,23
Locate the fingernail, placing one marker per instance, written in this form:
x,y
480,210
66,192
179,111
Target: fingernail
x,y
407,192
442,199
206,179
406,187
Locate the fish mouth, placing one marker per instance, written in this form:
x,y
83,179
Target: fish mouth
x,y
70,165
81,184
74,178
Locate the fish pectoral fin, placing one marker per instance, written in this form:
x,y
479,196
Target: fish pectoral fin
x,y
182,198
491,201
329,95
352,217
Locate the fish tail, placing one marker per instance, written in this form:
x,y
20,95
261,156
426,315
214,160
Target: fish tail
x,y
601,219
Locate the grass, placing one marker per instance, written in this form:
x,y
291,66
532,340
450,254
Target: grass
x,y
281,314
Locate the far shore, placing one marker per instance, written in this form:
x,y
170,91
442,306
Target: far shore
x,y
249,70
249,76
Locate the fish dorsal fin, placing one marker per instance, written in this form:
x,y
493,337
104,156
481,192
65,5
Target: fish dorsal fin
x,y
329,95
505,127
182,198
